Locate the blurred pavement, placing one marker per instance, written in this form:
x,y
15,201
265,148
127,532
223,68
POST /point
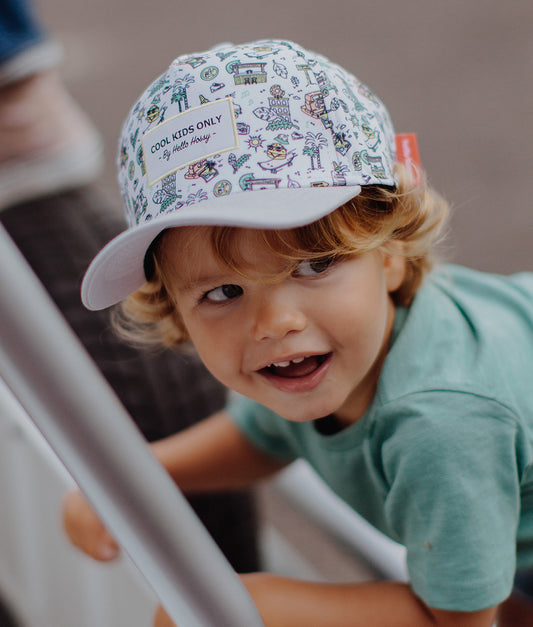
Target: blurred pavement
x,y
457,73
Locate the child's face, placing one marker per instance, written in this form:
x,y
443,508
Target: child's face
x,y
307,345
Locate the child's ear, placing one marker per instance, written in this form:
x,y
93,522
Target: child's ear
x,y
394,265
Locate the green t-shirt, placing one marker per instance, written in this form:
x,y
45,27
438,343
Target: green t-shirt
x,y
441,460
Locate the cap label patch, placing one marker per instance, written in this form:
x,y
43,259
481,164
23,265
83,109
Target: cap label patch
x,y
188,137
407,153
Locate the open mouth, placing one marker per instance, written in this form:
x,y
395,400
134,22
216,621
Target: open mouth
x,y
296,368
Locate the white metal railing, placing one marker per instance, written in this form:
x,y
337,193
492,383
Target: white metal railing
x,y
43,580
308,493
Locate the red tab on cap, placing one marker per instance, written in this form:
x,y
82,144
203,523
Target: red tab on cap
x,y
408,155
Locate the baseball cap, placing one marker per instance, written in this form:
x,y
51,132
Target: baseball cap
x,y
260,135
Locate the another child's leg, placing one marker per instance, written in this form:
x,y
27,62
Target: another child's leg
x,y
47,143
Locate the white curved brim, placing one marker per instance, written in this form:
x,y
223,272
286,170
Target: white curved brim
x,y
118,270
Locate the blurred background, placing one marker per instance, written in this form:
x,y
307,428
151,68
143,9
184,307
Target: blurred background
x,y
459,74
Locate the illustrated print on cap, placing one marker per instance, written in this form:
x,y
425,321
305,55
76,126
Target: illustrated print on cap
x,y
260,116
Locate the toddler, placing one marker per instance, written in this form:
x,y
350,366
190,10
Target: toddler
x,y
271,226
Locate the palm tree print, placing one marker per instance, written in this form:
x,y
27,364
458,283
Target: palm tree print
x,y
313,143
180,91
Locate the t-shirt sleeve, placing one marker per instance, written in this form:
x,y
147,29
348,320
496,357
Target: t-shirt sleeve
x,y
454,470
264,428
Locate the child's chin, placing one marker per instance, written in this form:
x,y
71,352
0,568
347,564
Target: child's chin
x,y
301,413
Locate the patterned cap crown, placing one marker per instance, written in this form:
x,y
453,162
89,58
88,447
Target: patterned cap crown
x,y
259,116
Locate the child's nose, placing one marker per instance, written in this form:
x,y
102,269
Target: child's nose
x,y
276,316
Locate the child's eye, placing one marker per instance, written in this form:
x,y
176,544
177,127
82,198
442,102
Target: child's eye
x,y
223,293
312,267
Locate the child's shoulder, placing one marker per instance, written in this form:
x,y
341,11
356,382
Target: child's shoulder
x,y
468,332
461,280
471,301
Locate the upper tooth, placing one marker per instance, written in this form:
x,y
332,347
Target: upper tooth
x,y
284,364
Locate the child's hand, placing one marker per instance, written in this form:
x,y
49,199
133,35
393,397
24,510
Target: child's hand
x,y
85,530
162,619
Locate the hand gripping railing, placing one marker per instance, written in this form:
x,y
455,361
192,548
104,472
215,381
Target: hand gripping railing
x,y
81,418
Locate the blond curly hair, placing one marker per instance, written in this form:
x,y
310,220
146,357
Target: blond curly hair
x,y
413,214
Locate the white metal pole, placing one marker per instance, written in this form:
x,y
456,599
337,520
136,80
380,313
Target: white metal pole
x,y
78,413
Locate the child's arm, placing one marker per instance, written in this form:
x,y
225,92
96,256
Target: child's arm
x,y
286,602
211,455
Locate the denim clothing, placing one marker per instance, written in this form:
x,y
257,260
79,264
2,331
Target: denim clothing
x,y
19,28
